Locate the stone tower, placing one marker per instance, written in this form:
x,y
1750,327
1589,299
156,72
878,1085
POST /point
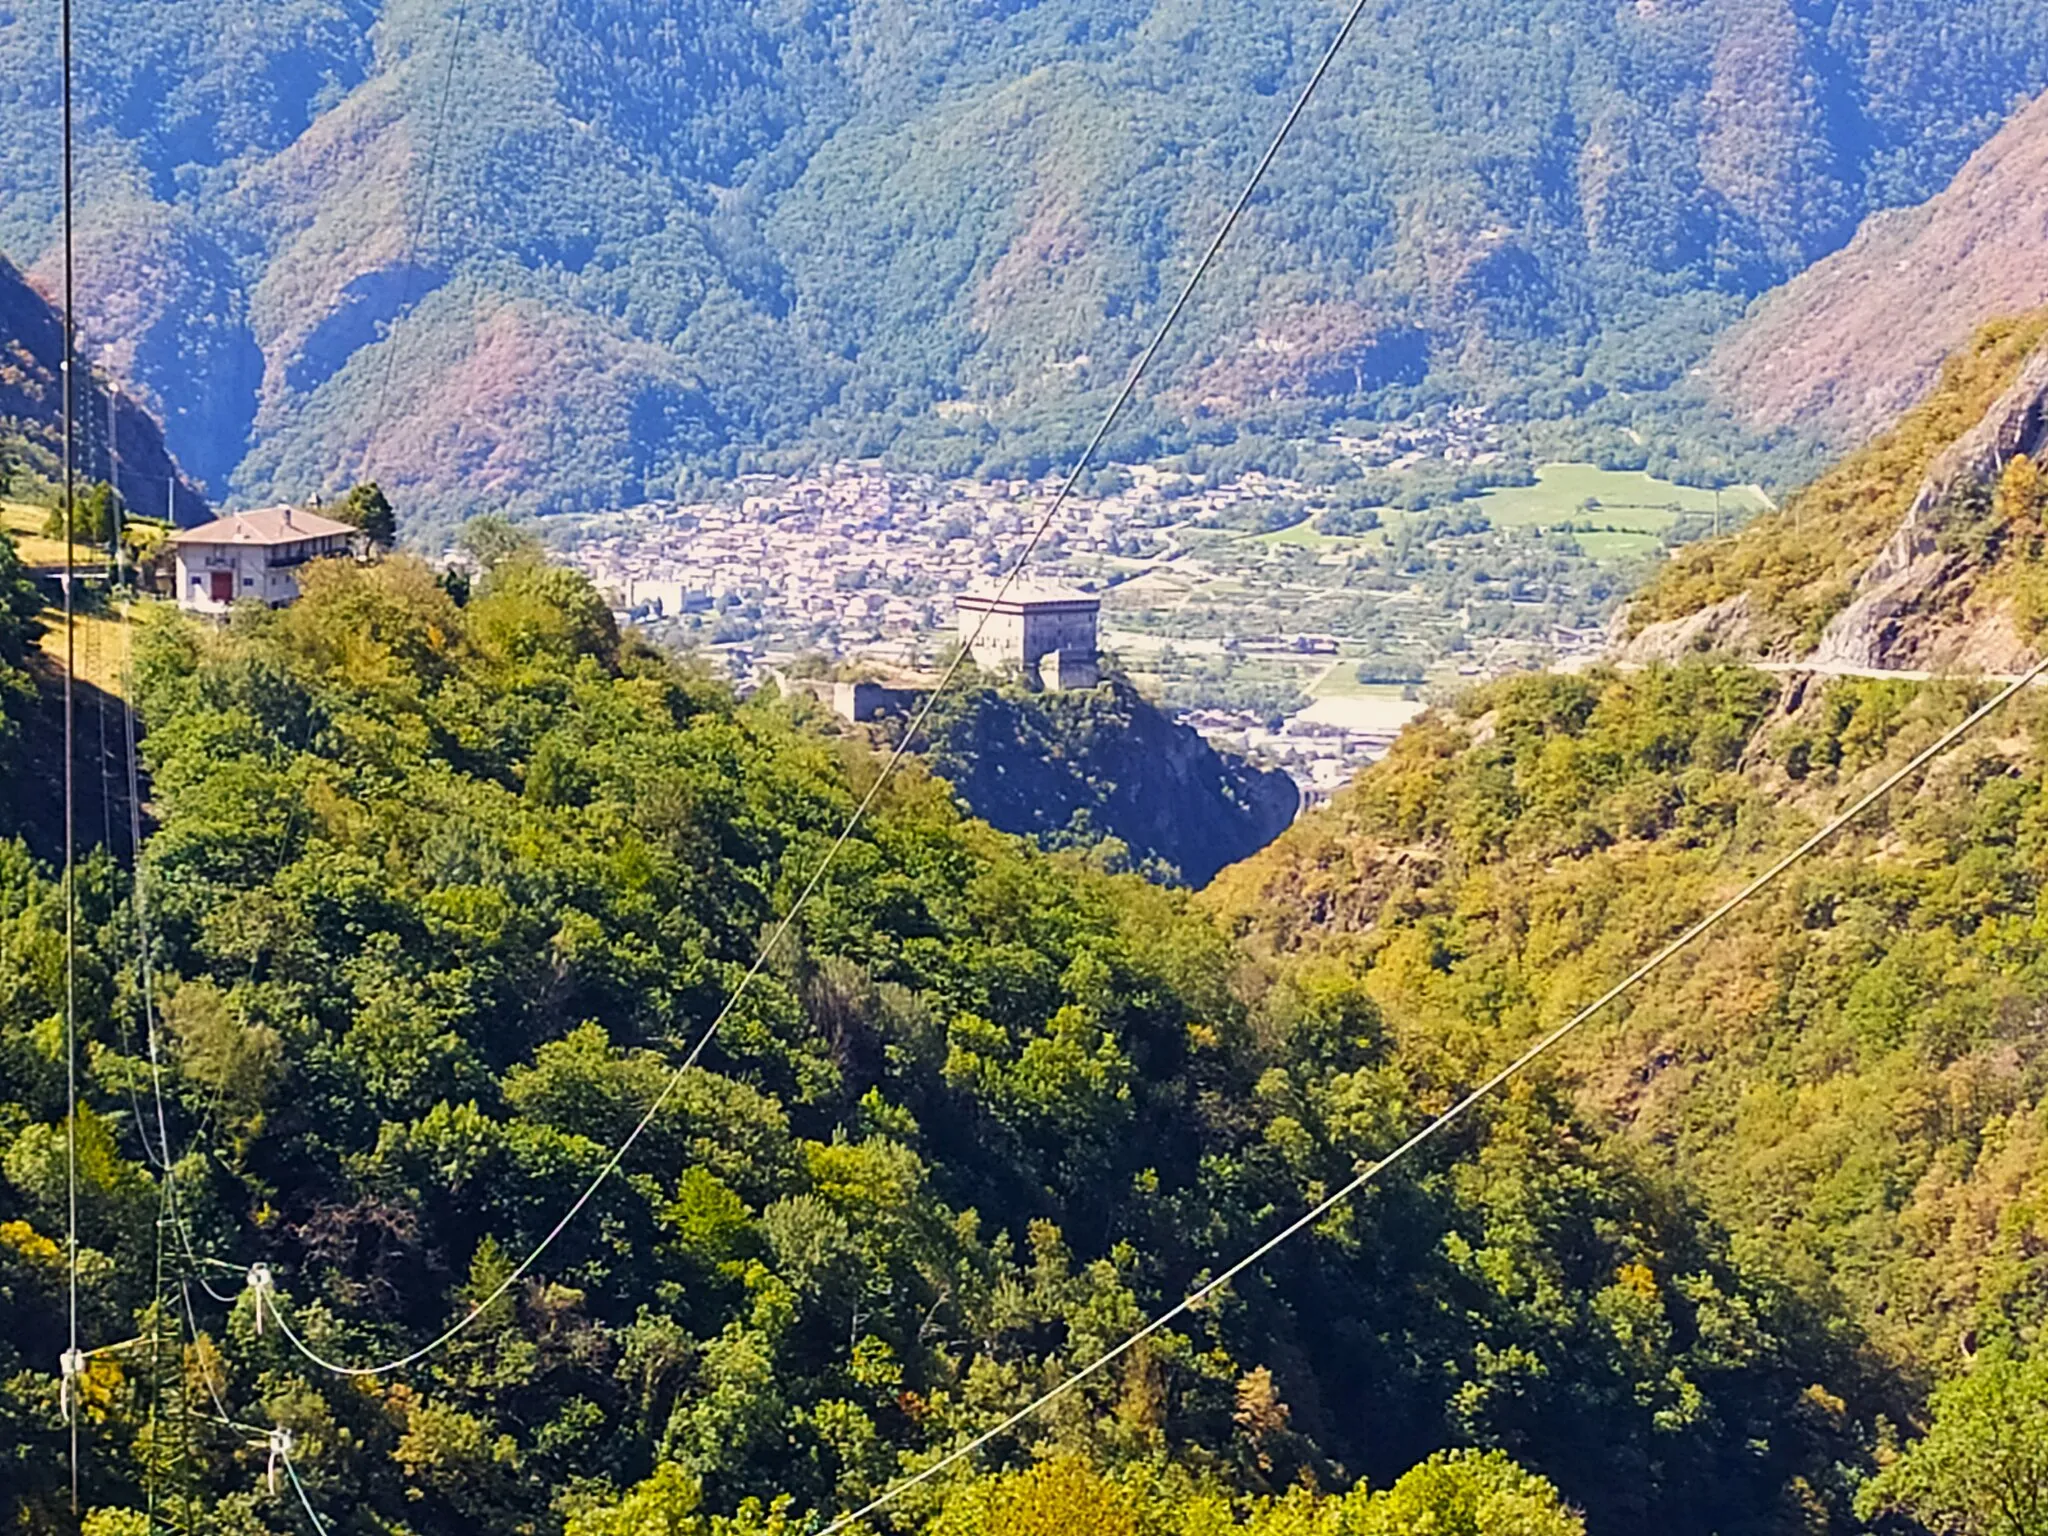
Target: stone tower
x,y
1047,632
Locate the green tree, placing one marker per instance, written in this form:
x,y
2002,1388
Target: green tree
x,y
93,512
492,540
1468,1493
1982,1467
366,507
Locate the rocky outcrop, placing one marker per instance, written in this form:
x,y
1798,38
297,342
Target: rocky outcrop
x,y
1722,626
1077,768
1918,605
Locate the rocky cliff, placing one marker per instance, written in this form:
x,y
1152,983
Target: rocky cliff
x,y
1926,551
118,440
1080,768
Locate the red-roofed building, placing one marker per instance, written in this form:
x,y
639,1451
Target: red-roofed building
x,y
253,556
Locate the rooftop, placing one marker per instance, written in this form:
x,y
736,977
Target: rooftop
x,y
272,525
1026,594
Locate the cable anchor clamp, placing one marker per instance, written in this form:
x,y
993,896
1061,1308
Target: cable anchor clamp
x,y
261,1283
280,1449
71,1365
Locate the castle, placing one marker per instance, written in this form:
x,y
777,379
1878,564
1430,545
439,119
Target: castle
x,y
1048,632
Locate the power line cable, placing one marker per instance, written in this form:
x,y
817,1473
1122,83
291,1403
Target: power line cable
x,y
277,1440
72,1365
1458,1110
292,1472
266,1293
146,964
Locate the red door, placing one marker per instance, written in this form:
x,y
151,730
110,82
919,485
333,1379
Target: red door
x,y
223,586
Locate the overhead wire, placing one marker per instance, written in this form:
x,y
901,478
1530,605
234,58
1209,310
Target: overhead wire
x,y
72,1362
903,748
160,1155
276,1440
1459,1110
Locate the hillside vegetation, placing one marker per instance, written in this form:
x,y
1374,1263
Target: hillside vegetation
x,y
645,239
1851,1071
1782,578
1102,771
443,889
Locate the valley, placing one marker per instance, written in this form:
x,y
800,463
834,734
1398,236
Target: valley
x,y
1224,595
1467,958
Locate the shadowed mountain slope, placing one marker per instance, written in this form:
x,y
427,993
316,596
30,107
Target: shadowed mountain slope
x,y
117,438
1846,348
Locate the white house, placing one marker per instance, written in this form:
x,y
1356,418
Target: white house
x,y
253,555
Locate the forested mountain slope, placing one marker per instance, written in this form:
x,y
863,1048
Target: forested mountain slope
x,y
444,888
645,236
1852,1070
117,440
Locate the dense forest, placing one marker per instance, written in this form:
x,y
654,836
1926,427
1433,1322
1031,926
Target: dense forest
x,y
552,255
443,886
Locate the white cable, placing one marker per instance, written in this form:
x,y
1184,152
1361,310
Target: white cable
x,y
305,1503
1457,1111
896,757
277,1440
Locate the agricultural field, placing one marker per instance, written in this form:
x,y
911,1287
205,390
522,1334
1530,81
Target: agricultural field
x,y
25,522
1612,501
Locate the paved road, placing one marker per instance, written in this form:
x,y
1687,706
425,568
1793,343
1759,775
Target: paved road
x,y
1897,674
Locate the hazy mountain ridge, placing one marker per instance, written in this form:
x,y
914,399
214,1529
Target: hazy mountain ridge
x,y
945,234
1847,347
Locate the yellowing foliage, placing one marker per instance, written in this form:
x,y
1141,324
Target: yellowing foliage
x,y
1797,565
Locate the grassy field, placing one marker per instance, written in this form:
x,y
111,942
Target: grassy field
x,y
1341,682
101,647
1303,535
1629,501
1615,548
26,524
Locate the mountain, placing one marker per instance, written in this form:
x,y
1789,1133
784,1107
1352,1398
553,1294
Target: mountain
x,y
1925,550
1848,346
117,439
1850,1069
551,254
1074,768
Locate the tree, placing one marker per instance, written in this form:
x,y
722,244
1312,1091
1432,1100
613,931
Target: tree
x,y
492,541
366,507
92,514
1982,1467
